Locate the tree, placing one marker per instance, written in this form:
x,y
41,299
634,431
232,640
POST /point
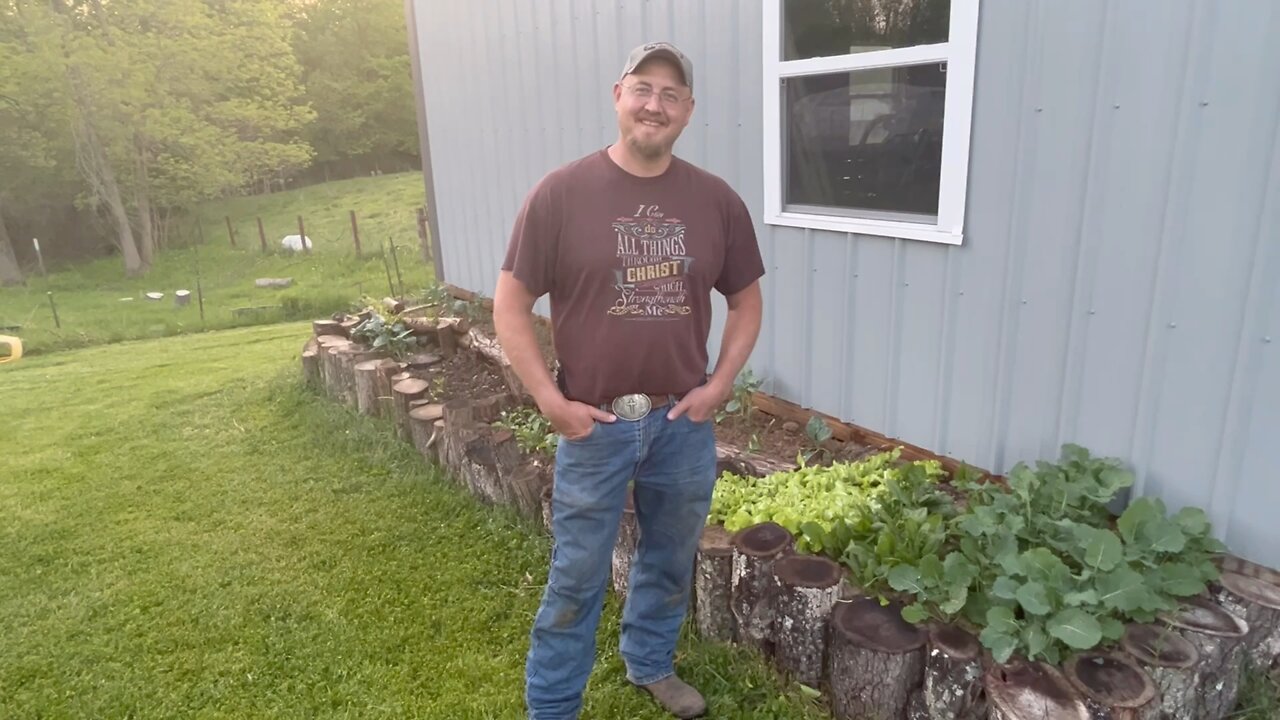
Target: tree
x,y
357,76
169,102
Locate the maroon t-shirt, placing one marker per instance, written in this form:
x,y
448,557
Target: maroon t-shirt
x,y
630,263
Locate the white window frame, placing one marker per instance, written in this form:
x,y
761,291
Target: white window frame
x,y
958,53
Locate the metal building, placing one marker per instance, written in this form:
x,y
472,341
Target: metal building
x,y
1092,256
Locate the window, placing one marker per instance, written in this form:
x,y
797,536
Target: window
x,y
867,106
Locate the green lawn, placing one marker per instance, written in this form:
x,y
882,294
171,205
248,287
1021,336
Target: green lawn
x,y
89,296
188,533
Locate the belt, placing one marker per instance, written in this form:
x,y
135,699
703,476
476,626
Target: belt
x,y
635,406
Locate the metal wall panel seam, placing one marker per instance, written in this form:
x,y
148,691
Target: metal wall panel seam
x,y
490,134
1153,358
893,353
942,374
414,32
841,406
509,197
464,241
1077,349
993,456
850,362
1241,396
806,381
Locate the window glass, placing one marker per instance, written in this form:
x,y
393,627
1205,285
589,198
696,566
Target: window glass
x,y
865,140
816,28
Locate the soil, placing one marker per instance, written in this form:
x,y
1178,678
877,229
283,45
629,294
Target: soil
x,y
771,439
465,375
758,434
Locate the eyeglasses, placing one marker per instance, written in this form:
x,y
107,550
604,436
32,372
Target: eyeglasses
x,y
643,92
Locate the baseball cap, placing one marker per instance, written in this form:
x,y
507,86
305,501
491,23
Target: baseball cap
x,y
664,49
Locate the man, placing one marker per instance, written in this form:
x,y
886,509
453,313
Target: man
x,y
628,241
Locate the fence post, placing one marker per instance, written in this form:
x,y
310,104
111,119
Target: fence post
x,y
56,322
199,289
200,230
386,264
424,242
40,257
355,233
262,236
396,260
302,234
231,233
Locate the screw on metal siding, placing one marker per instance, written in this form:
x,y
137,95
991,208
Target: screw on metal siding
x,y
961,292
1024,301
1116,106
1173,324
1092,311
1204,103
1266,339
1039,109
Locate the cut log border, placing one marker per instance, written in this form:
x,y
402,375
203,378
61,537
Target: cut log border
x,y
495,471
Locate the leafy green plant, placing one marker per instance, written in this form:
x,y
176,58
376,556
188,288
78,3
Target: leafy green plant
x,y
1042,570
436,295
815,503
472,310
533,431
740,404
816,432
387,331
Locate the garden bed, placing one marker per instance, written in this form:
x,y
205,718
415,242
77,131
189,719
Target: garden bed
x,y
1023,600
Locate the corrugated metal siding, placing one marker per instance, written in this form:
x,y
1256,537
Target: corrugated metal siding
x,y
1119,272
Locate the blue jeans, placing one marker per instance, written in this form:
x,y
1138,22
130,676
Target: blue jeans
x,y
673,464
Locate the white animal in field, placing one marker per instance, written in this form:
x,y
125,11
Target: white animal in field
x,y
295,242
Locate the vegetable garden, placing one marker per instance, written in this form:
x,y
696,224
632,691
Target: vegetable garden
x,y
898,584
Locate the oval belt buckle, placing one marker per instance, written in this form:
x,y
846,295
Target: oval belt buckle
x,y
632,407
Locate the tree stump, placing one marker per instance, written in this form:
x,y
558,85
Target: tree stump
x,y
875,660
546,508
1258,603
1169,660
489,349
484,411
1214,683
1113,686
311,364
489,455
327,327
331,368
525,485
332,339
751,596
373,385
402,394
713,584
422,361
437,433
952,687
348,357
624,547
422,428
808,587
447,336
1032,691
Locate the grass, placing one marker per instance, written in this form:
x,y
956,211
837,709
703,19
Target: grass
x,y
89,296
188,533
1259,697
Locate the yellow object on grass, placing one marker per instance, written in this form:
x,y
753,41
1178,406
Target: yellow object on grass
x,y
15,348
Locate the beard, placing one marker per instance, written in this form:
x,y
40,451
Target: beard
x,y
648,149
